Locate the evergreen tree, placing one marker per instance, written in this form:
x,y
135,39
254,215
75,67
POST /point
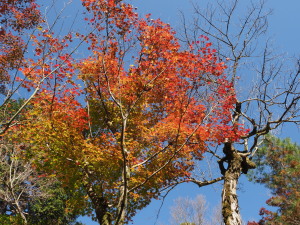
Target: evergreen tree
x,y
278,168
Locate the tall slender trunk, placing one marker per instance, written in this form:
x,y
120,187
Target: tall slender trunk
x,y
122,206
100,204
238,163
101,208
123,199
230,206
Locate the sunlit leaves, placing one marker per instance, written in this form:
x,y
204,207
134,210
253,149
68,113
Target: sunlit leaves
x,y
131,116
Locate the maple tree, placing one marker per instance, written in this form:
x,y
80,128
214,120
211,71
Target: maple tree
x,y
278,168
29,195
131,118
271,101
147,109
32,59
31,55
16,17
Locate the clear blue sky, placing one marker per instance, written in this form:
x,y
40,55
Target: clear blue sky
x,y
284,30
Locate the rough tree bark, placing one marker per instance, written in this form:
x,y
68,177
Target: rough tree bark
x,y
230,206
101,208
238,163
100,204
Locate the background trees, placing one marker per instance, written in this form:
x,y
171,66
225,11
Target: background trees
x,y
189,211
28,196
278,169
194,211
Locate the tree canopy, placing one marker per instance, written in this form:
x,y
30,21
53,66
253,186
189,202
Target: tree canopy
x,y
126,121
122,109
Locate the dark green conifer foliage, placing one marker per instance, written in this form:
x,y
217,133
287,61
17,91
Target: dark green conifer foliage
x,y
278,168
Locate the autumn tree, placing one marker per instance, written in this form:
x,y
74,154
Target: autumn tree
x,y
127,121
29,195
16,17
29,44
32,58
132,117
271,101
278,168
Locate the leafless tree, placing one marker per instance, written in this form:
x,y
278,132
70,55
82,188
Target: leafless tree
x,y
216,217
188,210
194,212
20,183
267,88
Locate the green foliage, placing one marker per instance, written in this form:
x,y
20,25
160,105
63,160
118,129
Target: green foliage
x,y
53,209
31,194
10,220
278,168
8,109
49,210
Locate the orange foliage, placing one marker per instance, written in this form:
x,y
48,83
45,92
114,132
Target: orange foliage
x,y
148,109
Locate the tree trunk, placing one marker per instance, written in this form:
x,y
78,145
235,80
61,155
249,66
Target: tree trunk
x,y
101,208
230,206
238,163
100,204
122,206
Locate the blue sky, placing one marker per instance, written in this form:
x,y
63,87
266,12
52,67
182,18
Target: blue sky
x,y
284,31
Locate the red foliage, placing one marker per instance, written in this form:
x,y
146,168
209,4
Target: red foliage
x,y
148,105
16,16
